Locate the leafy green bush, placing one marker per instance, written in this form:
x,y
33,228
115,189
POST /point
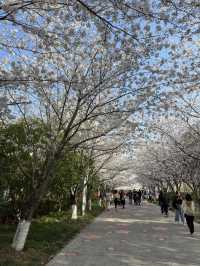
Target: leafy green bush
x,y
7,213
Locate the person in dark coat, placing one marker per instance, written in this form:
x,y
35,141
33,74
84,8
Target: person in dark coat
x,y
165,202
139,197
135,197
130,196
122,199
116,198
160,201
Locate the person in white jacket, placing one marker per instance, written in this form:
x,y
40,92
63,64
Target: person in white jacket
x,y
189,211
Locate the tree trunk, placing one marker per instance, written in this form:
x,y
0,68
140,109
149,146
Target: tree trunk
x,y
99,198
30,207
90,204
21,234
74,212
100,202
84,197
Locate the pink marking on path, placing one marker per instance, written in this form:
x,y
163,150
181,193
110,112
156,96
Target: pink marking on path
x,y
123,232
91,237
123,225
73,254
160,228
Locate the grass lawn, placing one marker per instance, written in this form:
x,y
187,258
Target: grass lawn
x,y
47,236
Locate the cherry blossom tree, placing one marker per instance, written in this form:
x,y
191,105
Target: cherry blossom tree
x,y
68,107
77,63
171,159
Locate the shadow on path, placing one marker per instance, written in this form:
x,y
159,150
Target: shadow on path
x,y
133,236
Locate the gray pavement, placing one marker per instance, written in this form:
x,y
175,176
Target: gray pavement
x,y
133,236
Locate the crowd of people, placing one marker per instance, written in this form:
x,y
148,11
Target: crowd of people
x,y
184,208
118,198
135,196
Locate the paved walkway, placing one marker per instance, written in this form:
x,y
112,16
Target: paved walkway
x,y
133,236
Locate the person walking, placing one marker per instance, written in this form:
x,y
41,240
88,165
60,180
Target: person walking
x,y
122,199
160,201
116,198
165,201
189,211
177,205
139,197
130,196
135,197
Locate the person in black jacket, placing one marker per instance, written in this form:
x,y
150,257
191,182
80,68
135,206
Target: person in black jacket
x,y
130,196
165,202
160,200
122,199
